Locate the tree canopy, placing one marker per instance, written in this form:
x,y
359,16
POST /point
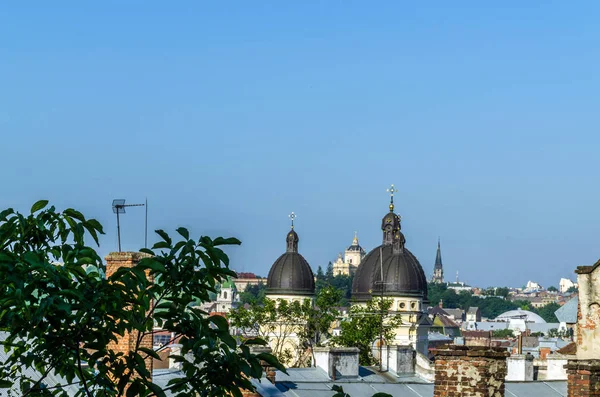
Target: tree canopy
x,y
63,318
363,326
491,306
254,293
278,320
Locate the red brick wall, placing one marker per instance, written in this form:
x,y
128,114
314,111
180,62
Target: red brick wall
x,y
469,371
583,378
126,343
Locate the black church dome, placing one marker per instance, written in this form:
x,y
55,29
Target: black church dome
x,y
402,275
391,266
291,274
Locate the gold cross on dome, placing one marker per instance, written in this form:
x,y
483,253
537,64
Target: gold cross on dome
x,y
292,217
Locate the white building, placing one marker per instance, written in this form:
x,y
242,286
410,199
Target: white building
x,y
565,284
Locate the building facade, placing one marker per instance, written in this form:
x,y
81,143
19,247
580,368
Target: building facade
x,y
351,259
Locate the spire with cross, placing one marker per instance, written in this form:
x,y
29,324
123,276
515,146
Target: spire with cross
x,y
292,236
391,191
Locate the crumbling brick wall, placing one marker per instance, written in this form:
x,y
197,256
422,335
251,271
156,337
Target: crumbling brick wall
x,y
583,378
470,371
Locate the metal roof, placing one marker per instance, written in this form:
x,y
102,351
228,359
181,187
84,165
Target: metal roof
x,y
356,389
567,313
51,379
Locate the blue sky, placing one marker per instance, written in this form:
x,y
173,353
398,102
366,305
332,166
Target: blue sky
x,y
230,115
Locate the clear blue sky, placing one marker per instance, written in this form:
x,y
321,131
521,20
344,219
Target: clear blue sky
x,y
230,115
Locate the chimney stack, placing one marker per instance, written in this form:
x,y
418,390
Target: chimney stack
x,y
469,371
126,343
338,362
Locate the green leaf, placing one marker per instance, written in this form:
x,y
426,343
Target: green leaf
x,y
219,321
134,389
272,361
74,214
164,236
156,390
184,233
38,206
227,241
161,244
6,213
256,341
150,352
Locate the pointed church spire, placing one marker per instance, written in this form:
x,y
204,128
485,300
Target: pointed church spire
x,y
438,257
438,270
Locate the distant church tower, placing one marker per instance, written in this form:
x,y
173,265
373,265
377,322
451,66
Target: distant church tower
x,y
352,258
438,270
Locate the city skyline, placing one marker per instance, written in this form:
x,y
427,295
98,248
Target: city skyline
x,y
227,118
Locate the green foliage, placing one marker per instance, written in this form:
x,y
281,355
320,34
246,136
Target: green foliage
x,y
572,290
276,321
320,274
364,325
547,312
61,318
329,273
503,333
552,289
254,293
340,282
491,306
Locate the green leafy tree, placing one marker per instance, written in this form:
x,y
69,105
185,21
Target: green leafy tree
x,y
278,320
62,318
552,289
254,293
572,290
547,312
329,273
363,327
320,274
502,291
274,321
341,282
503,333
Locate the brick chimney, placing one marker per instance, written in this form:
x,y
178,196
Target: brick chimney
x,y
269,371
469,371
126,343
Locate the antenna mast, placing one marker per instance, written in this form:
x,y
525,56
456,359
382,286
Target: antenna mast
x,y
118,207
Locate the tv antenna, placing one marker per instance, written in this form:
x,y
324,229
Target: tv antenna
x,y
118,207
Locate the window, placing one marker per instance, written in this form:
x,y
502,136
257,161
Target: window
x,y
224,294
